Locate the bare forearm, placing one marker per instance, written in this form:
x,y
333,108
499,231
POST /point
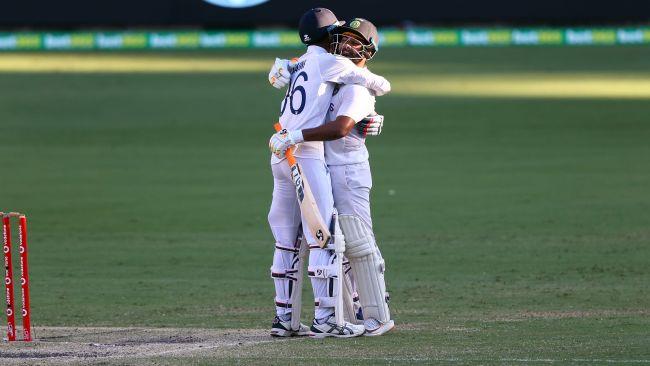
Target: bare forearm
x,y
333,130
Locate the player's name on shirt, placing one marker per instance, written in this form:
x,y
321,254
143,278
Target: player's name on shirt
x,y
297,67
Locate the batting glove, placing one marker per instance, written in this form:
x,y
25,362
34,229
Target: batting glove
x,y
279,76
370,126
281,141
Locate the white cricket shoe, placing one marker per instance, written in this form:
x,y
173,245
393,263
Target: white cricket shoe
x,y
330,329
376,328
282,328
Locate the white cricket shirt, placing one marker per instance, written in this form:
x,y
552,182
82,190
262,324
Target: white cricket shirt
x,y
356,102
308,96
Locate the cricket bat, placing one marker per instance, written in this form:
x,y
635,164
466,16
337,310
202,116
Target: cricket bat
x,y
308,208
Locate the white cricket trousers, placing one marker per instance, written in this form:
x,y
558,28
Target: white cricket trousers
x,y
351,185
284,220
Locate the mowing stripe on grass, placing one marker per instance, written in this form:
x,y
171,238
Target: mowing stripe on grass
x,y
76,63
527,85
493,85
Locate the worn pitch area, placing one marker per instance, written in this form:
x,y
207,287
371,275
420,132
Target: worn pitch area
x,y
83,345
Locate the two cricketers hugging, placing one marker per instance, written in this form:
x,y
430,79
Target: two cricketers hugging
x,y
320,209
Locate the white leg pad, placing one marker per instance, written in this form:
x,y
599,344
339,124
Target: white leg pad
x,y
329,271
287,273
351,303
322,275
339,248
296,293
367,267
339,293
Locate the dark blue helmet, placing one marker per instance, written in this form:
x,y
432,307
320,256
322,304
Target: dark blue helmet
x,y
316,24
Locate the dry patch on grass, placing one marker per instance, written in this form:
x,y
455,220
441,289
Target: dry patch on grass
x,y
572,314
427,327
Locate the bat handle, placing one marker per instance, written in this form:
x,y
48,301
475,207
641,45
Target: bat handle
x,y
289,154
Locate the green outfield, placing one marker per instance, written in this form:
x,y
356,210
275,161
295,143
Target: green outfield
x,y
511,200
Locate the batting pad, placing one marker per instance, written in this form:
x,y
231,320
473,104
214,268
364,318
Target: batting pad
x,y
287,273
367,267
351,303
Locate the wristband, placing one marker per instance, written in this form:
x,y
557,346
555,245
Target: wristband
x,y
296,136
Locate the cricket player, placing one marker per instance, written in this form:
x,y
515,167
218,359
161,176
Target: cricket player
x,y
312,81
352,115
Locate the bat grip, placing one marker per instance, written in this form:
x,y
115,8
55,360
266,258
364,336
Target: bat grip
x,y
289,154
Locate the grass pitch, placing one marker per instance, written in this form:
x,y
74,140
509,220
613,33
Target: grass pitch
x,y
511,198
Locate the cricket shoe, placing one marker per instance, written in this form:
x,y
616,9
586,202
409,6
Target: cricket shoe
x,y
376,328
282,328
330,329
